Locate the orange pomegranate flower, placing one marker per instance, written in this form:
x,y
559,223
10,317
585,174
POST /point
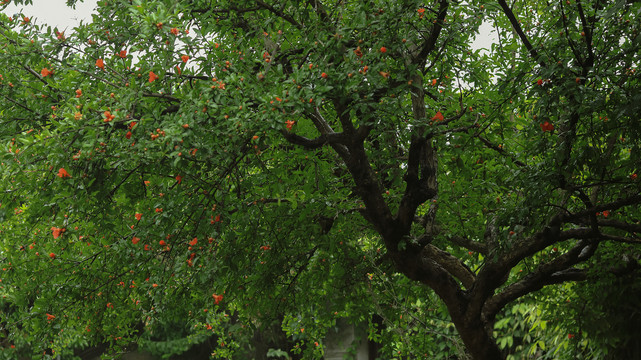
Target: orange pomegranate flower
x,y
179,178
135,240
138,216
62,173
438,117
152,76
546,126
217,298
50,317
289,124
100,63
193,241
185,58
122,53
108,116
46,72
56,232
78,93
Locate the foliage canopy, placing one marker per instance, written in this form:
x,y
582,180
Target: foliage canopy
x,y
174,170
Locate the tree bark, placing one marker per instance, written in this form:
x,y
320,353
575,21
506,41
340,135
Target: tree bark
x,y
479,343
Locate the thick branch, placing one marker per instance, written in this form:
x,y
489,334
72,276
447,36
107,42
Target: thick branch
x,y
333,138
452,264
430,42
614,205
420,176
537,279
469,244
325,129
519,31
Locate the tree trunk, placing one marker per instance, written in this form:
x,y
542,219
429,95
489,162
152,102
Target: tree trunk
x,y
480,344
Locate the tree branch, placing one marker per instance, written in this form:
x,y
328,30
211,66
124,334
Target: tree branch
x,y
469,244
452,264
519,31
430,42
332,138
280,14
538,278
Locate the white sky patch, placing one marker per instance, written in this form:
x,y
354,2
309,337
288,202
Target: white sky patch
x,y
485,38
55,12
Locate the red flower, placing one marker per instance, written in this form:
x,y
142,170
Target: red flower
x,y
158,210
324,75
438,117
78,93
50,317
46,72
546,126
152,76
138,216
162,243
56,232
179,178
217,298
539,82
265,247
193,241
383,49
100,63
122,53
175,31
570,336
290,124
184,58
633,176
135,240
62,173
606,213
52,255
108,116
128,135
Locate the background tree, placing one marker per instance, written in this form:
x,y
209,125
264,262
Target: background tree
x,y
222,165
